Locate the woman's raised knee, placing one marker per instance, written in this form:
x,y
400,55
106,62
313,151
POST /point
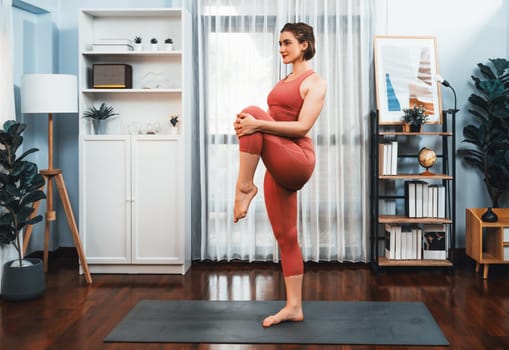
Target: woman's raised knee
x,y
257,112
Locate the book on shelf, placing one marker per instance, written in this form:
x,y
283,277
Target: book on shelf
x,y
403,242
506,234
112,45
111,48
421,187
434,244
441,201
390,241
114,41
424,200
394,158
382,155
397,244
411,198
388,158
387,207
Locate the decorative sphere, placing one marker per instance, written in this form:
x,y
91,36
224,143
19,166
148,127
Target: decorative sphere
x,y
427,157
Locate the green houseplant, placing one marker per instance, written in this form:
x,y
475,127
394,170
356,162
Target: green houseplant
x,y
138,45
168,43
20,184
414,117
488,135
99,115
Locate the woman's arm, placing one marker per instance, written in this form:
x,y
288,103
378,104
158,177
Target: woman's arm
x,y
313,90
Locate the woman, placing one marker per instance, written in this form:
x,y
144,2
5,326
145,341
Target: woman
x,y
281,138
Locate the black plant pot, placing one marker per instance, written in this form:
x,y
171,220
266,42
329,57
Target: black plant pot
x,y
489,216
415,128
23,283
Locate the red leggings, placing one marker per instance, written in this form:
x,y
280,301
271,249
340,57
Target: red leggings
x,y
290,163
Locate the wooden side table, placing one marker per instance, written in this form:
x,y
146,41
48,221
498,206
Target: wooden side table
x,y
487,242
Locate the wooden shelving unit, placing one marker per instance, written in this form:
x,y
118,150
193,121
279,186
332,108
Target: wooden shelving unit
x,y
443,175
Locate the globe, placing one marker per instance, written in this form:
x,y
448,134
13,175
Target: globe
x,y
427,157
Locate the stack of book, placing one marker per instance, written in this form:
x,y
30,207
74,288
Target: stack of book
x,y
424,200
388,158
403,242
112,45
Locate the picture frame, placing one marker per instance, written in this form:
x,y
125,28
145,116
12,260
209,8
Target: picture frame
x,y
406,74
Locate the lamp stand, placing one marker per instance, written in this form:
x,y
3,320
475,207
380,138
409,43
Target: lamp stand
x,y
56,175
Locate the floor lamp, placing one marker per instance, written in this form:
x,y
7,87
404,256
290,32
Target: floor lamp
x,y
52,94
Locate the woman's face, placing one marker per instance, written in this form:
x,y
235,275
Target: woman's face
x,y
290,49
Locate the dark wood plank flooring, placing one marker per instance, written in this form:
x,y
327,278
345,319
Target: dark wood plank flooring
x,y
472,313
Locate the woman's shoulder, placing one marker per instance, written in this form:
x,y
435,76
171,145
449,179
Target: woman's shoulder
x,y
315,81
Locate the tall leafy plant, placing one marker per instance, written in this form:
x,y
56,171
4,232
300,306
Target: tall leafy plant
x,y
488,136
20,184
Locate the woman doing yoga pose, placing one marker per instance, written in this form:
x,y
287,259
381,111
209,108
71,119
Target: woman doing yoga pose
x,y
280,137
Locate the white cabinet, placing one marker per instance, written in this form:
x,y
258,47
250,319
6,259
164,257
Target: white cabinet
x,y
134,185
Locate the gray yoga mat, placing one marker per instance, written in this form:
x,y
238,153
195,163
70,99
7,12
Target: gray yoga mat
x,y
239,322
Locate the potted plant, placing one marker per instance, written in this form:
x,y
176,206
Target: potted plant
x,y
98,116
414,118
20,183
173,121
138,45
168,43
488,136
153,42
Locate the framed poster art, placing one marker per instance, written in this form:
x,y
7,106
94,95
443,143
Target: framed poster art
x,y
406,72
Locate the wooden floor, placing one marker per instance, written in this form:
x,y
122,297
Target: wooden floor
x,y
472,313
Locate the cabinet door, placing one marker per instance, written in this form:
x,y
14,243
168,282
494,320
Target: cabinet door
x,y
105,199
157,224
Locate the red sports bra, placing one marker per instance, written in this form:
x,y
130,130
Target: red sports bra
x,y
284,100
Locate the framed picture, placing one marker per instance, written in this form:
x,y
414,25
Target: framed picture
x,y
406,73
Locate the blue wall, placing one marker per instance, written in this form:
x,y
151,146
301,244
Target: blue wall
x,y
467,32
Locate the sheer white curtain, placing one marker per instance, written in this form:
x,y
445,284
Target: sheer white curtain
x,y
7,111
239,64
6,82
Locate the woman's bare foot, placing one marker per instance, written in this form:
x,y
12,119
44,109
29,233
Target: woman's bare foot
x,y
243,197
286,314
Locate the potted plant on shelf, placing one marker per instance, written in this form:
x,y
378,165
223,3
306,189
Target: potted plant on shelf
x,y
98,116
173,121
168,43
153,43
488,136
414,118
138,45
20,183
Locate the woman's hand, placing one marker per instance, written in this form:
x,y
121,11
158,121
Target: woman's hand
x,y
245,124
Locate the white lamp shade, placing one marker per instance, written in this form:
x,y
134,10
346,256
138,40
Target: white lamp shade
x,y
49,93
